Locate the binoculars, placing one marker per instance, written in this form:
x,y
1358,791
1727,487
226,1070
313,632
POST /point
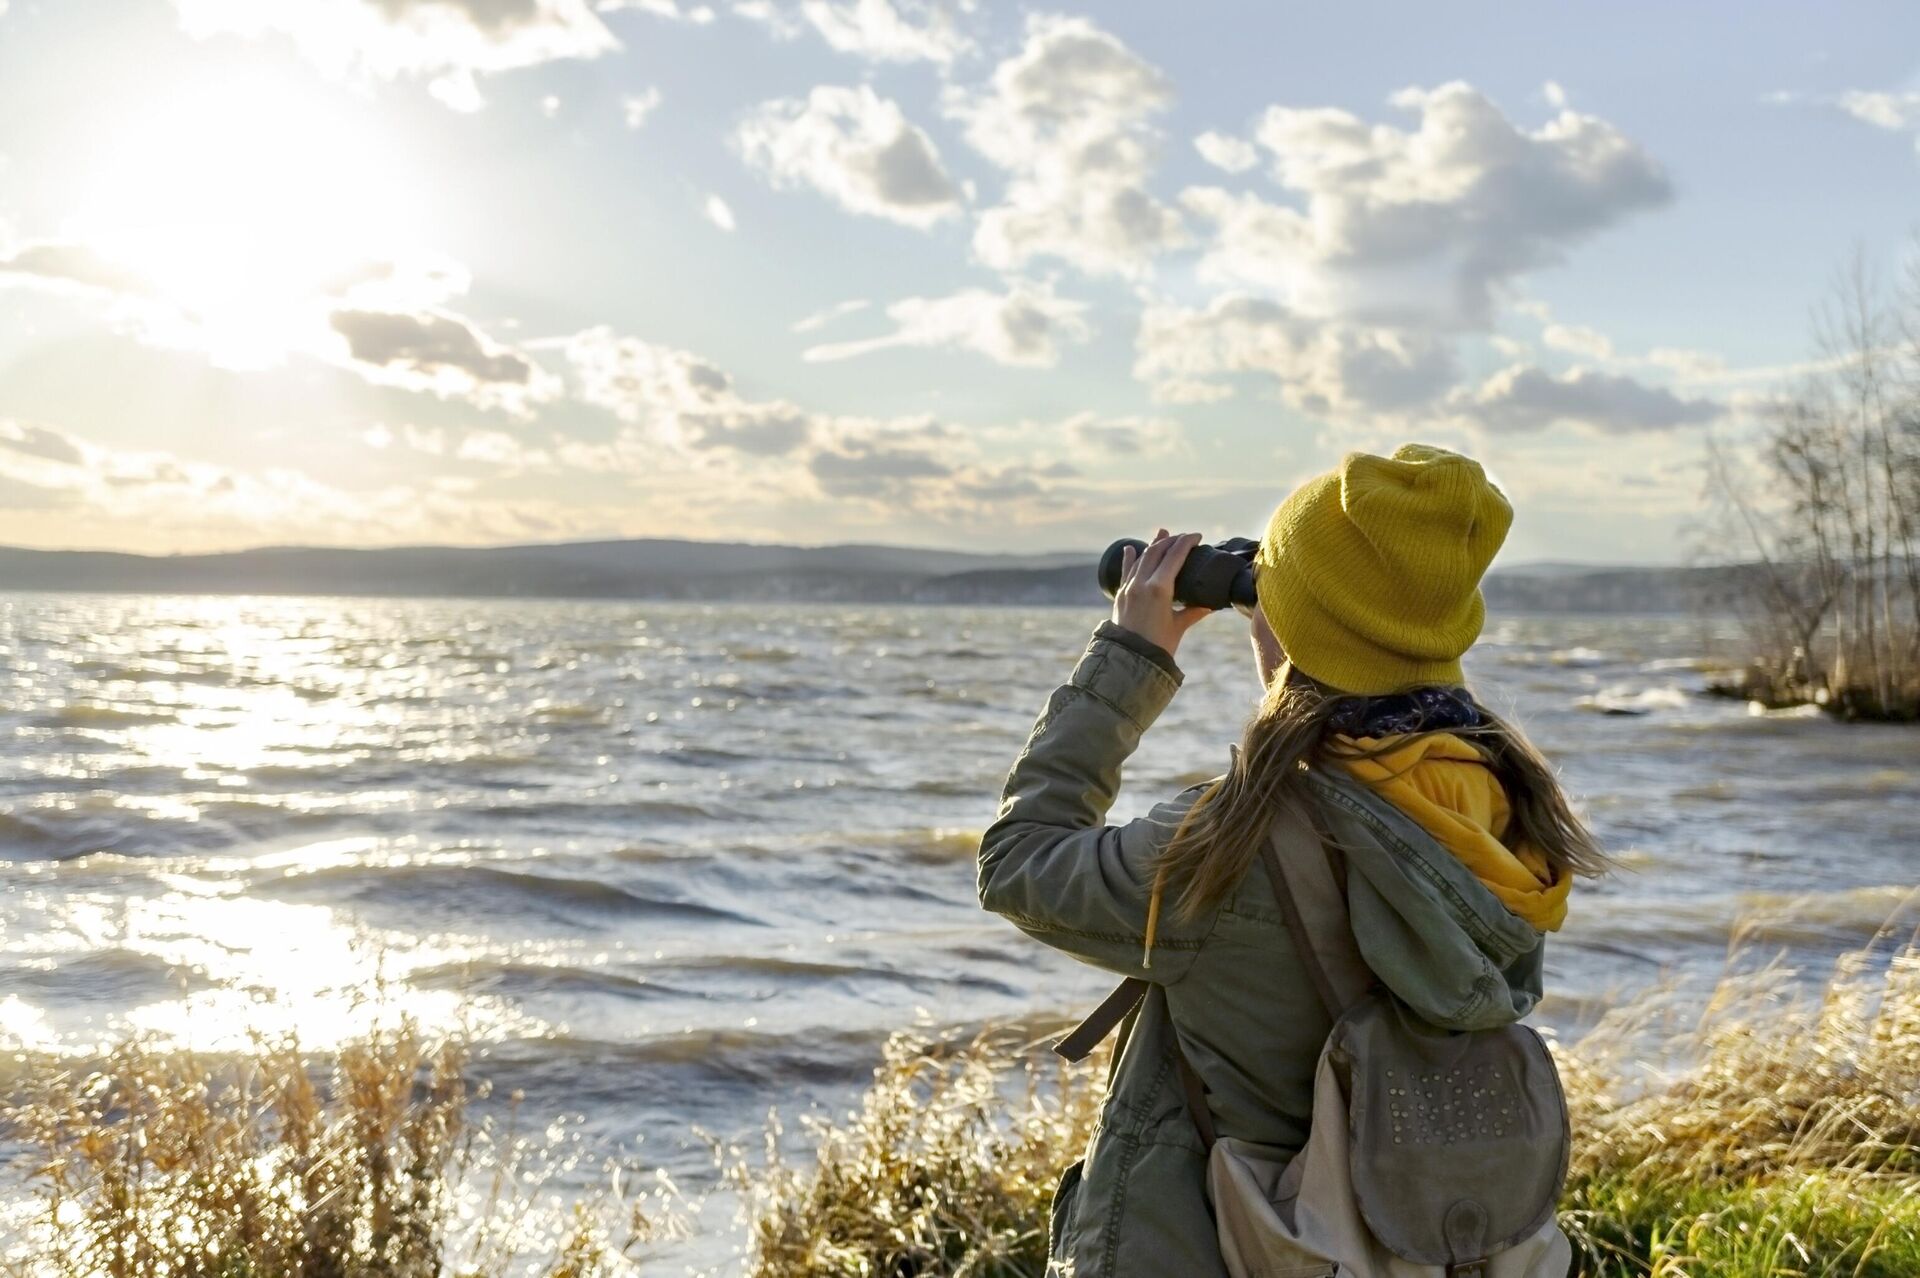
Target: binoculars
x,y
1213,576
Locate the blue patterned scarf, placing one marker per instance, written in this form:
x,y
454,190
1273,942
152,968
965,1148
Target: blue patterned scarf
x,y
1421,710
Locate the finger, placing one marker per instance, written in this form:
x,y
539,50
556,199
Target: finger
x,y
1154,575
1167,568
1151,557
1127,557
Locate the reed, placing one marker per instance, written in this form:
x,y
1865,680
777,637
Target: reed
x,y
1781,1140
164,1163
1774,1134
948,1167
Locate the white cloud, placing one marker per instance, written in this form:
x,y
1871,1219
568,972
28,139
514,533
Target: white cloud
x,y
260,333
637,380
669,9
39,441
718,213
854,147
676,404
1688,365
913,467
1122,436
1423,225
1555,95
1578,340
1322,367
870,468
1523,398
677,398
1222,151
131,497
1896,111
550,105
1680,365
63,264
1022,327
440,354
881,30
447,42
821,318
1068,119
489,449
635,108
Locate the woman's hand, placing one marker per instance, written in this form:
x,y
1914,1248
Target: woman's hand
x,y
1144,602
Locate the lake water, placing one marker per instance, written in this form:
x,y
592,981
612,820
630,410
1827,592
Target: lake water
x,y
673,864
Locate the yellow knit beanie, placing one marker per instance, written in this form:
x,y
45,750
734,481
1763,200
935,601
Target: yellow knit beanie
x,y
1370,573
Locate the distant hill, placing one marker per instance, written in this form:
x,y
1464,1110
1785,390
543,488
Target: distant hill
x,y
667,569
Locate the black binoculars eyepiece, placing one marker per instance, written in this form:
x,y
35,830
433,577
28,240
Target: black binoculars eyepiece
x,y
1213,577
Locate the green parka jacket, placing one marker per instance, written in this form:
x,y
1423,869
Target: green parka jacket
x,y
1227,984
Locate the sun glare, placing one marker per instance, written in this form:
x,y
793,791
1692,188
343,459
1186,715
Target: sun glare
x,y
243,202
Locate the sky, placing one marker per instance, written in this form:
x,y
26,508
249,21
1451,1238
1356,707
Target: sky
x,y
928,272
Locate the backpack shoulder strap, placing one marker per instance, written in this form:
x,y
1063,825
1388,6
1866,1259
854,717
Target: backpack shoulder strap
x,y
1309,883
1099,1023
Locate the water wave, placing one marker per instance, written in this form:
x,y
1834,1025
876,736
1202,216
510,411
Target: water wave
x,y
1626,700
87,714
523,979
95,825
1822,921
108,976
614,810
492,888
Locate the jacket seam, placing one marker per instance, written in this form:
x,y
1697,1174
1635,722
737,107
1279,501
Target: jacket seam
x,y
1102,699
1124,1172
1149,672
1140,646
1093,669
1482,995
1133,938
1199,944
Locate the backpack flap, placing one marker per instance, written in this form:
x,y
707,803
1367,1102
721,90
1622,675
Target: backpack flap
x,y
1458,1141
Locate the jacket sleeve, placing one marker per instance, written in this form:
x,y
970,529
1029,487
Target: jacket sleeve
x,y
1049,863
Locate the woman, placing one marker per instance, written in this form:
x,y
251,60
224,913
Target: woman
x,y
1459,844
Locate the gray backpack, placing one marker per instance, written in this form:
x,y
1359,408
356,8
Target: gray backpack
x,y
1430,1153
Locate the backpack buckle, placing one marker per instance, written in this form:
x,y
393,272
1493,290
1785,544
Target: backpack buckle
x,y
1468,1268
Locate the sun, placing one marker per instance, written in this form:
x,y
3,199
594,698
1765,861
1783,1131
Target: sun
x,y
243,202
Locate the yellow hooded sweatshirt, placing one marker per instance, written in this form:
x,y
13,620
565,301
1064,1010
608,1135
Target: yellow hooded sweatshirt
x,y
1444,785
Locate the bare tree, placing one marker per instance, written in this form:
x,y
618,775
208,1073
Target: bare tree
x,y
1821,504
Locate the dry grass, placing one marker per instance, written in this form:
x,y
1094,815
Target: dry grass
x,y
157,1164
948,1167
1782,1141
1786,1144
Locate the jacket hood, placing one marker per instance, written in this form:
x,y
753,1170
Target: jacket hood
x,y
1429,929
1444,783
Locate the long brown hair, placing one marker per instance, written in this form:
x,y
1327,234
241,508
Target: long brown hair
x,y
1293,730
